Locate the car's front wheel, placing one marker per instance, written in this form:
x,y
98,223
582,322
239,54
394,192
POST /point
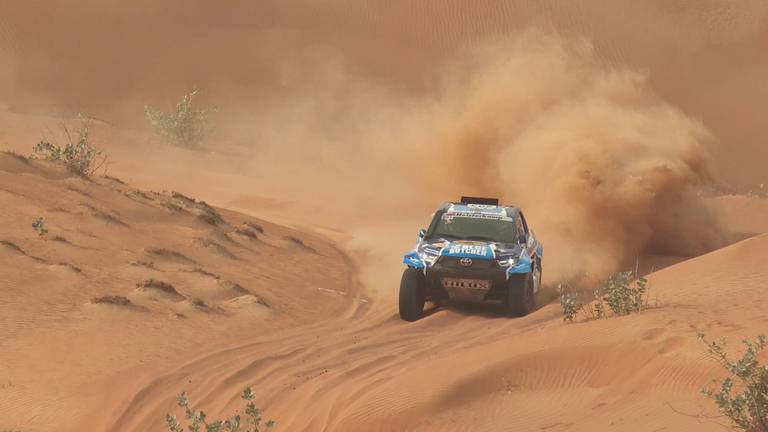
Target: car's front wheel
x,y
521,299
412,296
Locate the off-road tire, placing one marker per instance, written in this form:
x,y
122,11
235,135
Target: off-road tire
x,y
520,298
412,296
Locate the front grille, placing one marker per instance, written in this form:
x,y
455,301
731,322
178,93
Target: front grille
x,y
455,263
472,284
466,289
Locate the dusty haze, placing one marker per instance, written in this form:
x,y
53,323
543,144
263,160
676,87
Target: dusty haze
x,y
346,122
706,58
551,118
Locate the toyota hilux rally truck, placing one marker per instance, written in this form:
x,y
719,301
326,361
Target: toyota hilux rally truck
x,y
474,250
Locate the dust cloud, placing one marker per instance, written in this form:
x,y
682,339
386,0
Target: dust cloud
x,y
605,170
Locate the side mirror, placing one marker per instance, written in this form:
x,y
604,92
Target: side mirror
x,y
522,239
422,233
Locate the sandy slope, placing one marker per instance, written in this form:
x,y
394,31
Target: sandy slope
x,y
329,112
322,359
459,369
76,308
473,370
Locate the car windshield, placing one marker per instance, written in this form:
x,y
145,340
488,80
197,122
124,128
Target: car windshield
x,y
476,228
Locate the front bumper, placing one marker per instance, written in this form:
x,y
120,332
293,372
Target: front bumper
x,y
447,278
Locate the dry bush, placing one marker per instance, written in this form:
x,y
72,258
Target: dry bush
x,y
185,125
622,294
78,153
198,419
742,397
39,226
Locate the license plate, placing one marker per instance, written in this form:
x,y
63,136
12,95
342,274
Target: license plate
x,y
477,284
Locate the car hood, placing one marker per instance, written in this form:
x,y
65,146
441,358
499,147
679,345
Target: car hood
x,y
469,248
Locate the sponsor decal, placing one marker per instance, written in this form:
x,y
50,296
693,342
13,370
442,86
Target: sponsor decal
x,y
448,217
468,249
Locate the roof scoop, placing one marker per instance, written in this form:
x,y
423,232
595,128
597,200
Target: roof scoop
x,y
480,200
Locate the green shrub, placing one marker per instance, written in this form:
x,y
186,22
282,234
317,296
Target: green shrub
x,y
185,126
78,153
622,293
252,422
743,396
568,303
39,226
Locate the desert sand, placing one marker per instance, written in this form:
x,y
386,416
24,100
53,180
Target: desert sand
x,y
271,256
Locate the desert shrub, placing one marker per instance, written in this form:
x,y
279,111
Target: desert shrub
x,y
78,153
742,397
198,420
568,302
39,226
185,125
621,293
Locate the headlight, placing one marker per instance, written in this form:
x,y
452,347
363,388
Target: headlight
x,y
429,256
508,261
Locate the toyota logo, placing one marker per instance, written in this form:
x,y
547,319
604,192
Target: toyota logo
x,y
466,262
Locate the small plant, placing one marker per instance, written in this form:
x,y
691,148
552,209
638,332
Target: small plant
x,y
743,396
78,153
252,422
39,226
622,293
568,303
185,126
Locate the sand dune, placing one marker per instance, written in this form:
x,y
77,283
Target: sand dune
x,y
271,256
454,371
132,267
120,267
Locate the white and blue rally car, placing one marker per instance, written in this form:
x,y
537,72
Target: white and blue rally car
x,y
474,250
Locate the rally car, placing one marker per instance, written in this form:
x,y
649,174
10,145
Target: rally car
x,y
473,250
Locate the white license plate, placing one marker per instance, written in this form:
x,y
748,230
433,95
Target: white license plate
x,y
477,284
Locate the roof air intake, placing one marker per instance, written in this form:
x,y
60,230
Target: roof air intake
x,y
478,200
